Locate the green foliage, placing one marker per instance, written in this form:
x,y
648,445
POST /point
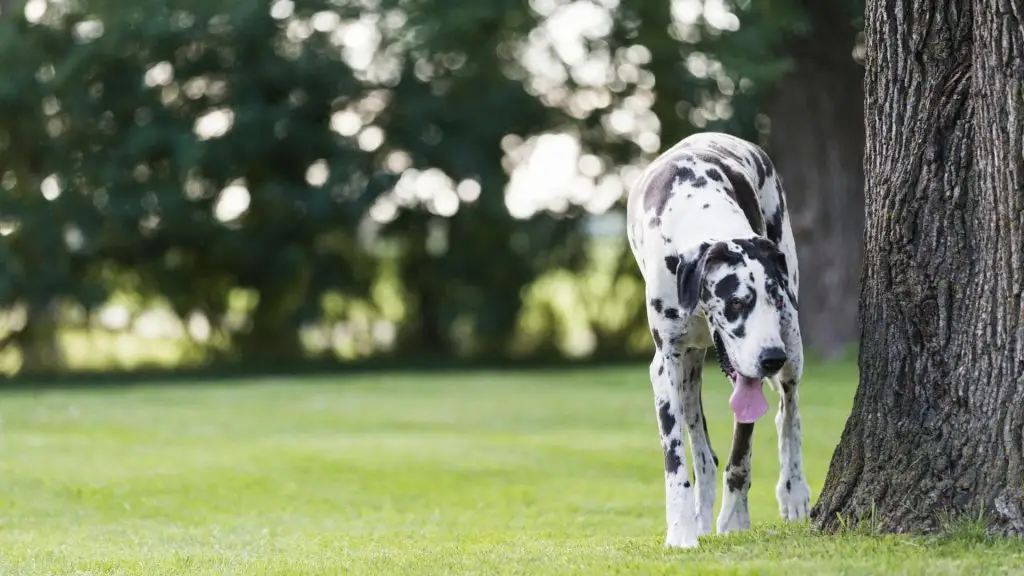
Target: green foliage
x,y
254,165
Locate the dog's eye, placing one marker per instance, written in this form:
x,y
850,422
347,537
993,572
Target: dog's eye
x,y
737,303
779,303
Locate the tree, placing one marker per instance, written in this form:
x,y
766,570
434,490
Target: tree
x,y
937,428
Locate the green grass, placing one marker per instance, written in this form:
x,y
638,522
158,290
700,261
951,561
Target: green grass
x,y
482,473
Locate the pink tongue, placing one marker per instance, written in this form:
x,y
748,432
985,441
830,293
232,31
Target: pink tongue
x,y
747,401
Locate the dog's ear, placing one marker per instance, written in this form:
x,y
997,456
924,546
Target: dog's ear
x,y
777,266
691,270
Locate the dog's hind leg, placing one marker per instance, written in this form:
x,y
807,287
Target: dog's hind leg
x,y
705,463
792,491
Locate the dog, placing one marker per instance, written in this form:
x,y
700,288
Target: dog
x,y
707,225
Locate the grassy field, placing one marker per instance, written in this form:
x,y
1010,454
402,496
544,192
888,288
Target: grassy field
x,y
484,473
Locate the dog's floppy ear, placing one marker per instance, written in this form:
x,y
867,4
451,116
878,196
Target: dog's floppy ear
x,y
690,273
777,267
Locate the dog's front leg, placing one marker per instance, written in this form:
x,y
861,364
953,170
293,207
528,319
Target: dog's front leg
x,y
735,513
680,513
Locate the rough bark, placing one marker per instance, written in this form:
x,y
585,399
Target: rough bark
x,y
937,429
817,145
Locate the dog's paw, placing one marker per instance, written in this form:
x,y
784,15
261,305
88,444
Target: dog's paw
x,y
705,524
794,496
682,535
734,516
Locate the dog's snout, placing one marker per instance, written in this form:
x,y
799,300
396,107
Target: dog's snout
x,y
771,360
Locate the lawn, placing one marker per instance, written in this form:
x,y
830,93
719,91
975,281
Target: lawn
x,y
481,473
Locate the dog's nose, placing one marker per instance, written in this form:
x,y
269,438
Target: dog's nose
x,y
771,360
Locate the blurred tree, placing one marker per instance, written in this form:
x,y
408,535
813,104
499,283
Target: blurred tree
x,y
189,146
39,269
935,436
465,260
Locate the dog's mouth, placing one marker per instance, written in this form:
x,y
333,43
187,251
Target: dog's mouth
x,y
723,356
747,401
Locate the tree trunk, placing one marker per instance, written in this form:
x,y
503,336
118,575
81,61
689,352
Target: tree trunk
x,y
39,341
817,145
937,429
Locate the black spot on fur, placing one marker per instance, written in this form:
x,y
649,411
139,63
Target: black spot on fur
x,y
788,486
686,174
740,443
727,286
686,484
672,461
665,418
714,174
773,227
727,152
671,313
759,165
700,182
769,168
706,206
740,331
654,223
768,254
743,193
735,481
661,370
657,304
657,338
672,263
662,185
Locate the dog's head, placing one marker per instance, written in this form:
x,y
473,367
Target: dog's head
x,y
744,287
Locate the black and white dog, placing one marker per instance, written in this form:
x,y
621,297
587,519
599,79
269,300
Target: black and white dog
x,y
708,227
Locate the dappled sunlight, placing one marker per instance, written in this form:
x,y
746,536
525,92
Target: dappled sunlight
x,y
50,187
34,10
233,202
160,74
214,124
430,188
318,173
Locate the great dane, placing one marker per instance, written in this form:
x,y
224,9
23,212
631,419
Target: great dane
x,y
708,227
